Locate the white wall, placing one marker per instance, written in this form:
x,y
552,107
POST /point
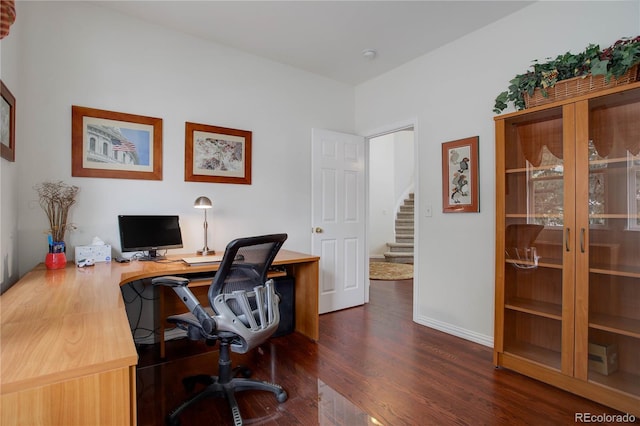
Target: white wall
x,y
381,194
10,76
451,92
77,53
404,163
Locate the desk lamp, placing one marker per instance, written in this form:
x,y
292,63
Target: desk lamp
x,y
204,203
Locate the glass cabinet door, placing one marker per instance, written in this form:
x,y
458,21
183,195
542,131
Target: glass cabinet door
x,y
613,255
535,184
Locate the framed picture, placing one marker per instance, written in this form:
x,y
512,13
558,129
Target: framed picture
x,y
217,154
460,176
8,129
110,144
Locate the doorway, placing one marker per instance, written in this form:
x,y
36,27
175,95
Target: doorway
x,y
391,196
392,202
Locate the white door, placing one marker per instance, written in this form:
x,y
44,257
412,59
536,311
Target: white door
x,y
338,217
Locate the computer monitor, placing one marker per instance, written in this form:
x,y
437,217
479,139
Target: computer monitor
x,y
149,233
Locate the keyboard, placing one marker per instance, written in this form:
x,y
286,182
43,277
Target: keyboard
x,y
202,260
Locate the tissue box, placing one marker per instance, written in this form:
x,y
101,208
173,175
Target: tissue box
x,y
603,359
99,253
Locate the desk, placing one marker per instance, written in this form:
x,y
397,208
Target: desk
x,y
68,357
302,267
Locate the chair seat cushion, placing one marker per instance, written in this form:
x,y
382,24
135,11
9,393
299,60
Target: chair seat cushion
x,y
191,325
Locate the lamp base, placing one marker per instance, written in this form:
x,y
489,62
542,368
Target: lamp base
x,y
205,252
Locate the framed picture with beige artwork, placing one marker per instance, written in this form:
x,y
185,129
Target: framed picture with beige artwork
x,y
217,154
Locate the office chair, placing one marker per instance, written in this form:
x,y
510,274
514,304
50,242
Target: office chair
x,y
243,313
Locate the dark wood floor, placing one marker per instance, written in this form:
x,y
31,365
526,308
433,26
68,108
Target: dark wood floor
x,y
372,366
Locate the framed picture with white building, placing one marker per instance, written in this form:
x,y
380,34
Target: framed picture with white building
x,y
107,144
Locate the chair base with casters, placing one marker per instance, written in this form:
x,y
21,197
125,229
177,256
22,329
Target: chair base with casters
x,y
224,385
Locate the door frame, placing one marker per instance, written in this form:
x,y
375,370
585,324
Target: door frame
x,y
381,131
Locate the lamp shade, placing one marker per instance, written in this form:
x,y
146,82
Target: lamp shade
x,y
202,203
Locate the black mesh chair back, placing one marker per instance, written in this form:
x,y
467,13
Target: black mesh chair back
x,y
238,291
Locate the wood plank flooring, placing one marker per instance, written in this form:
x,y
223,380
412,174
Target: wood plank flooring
x,y
372,366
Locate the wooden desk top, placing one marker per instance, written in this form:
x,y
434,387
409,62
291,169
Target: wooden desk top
x,y
137,270
62,324
66,323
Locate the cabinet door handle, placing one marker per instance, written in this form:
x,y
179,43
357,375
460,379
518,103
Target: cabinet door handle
x,y
582,231
566,239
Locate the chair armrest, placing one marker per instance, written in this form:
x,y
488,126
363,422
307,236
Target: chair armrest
x,y
170,281
179,285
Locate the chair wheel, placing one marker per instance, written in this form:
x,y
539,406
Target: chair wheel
x,y
282,396
241,369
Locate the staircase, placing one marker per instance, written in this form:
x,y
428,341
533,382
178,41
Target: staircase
x,y
401,251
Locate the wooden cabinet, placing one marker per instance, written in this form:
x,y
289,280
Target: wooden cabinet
x,y
568,245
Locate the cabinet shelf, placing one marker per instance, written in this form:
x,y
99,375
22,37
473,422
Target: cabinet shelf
x,y
537,354
620,381
532,216
546,168
535,307
542,263
614,324
619,271
616,160
612,216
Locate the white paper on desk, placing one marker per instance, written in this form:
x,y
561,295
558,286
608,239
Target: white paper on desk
x,y
202,260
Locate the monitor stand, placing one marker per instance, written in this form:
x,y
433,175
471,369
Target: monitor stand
x,y
152,256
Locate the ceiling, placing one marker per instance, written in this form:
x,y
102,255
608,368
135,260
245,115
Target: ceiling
x,y
325,37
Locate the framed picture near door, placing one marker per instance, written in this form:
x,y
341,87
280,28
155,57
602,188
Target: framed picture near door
x,y
460,176
8,128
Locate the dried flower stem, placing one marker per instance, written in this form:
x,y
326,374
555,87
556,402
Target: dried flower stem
x,y
55,199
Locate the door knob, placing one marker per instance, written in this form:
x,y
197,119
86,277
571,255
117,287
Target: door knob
x,y
317,230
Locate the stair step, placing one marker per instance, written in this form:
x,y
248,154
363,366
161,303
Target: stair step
x,y
398,257
407,209
404,229
404,239
396,244
403,235
400,247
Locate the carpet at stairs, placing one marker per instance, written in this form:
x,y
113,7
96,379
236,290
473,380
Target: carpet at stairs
x,y
390,271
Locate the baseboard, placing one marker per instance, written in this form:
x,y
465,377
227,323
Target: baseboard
x,y
454,330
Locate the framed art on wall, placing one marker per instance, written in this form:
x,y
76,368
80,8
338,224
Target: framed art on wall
x,y
8,129
460,176
111,144
217,154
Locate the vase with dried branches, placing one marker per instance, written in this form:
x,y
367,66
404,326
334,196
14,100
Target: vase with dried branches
x,y
56,198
